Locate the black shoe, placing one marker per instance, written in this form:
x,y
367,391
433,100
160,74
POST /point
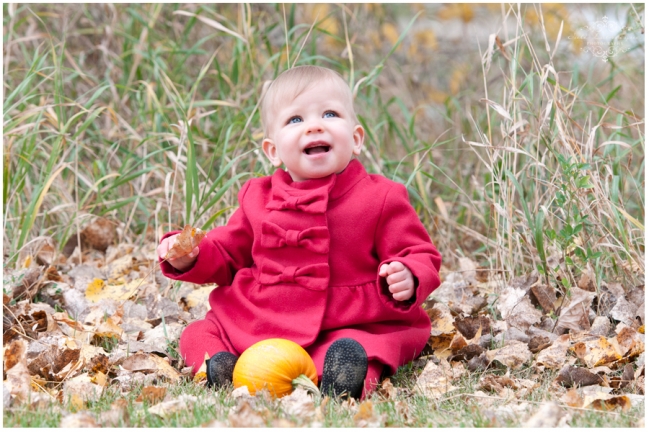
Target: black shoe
x,y
345,368
219,368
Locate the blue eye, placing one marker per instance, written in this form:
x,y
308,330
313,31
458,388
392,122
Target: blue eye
x,y
295,119
330,114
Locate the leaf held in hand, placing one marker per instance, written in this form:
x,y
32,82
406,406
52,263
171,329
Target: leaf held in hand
x,y
186,241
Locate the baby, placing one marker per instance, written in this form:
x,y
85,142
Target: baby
x,y
322,253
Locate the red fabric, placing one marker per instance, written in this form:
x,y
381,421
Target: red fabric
x,y
330,289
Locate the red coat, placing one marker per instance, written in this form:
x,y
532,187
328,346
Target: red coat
x,y
300,261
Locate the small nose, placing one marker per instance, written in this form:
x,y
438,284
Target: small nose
x,y
314,126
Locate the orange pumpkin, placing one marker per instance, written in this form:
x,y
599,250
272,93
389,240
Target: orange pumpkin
x,y
278,365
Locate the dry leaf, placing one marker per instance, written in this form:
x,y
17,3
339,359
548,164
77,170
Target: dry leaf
x,y
497,384
573,399
367,416
441,320
100,234
576,376
82,387
78,420
15,353
199,296
596,352
624,311
517,310
554,356
150,363
548,416
120,267
186,241
98,290
434,380
152,394
603,401
545,296
470,326
513,355
298,404
575,315
18,382
244,415
170,408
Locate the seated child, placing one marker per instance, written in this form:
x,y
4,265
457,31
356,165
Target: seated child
x,y
322,253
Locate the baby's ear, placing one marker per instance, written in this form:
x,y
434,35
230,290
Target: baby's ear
x,y
270,150
359,138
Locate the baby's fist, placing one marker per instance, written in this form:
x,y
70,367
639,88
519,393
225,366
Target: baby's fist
x,y
400,280
181,263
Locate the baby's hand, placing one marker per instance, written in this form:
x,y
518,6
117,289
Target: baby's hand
x,y
400,281
181,263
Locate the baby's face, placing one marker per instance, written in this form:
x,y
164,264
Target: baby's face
x,y
313,135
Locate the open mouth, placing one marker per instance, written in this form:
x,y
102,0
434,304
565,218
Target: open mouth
x,y
317,148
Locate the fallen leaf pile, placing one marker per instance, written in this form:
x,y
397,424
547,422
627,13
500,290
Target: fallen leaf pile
x,y
74,325
538,327
78,323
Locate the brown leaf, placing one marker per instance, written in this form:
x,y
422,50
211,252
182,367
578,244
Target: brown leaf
x,y
516,309
577,376
167,409
152,395
469,326
545,296
299,404
387,390
514,355
478,363
51,362
435,380
573,399
596,352
117,415
601,326
150,363
554,356
630,342
624,311
367,416
627,378
18,382
188,239
78,420
15,353
100,234
244,415
83,388
549,415
575,315
469,352
538,343
496,383
606,402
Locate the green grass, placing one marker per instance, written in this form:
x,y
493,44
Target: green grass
x,y
456,409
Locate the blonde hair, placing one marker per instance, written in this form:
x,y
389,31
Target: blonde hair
x,y
292,82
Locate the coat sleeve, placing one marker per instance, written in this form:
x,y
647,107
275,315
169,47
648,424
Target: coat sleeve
x,y
400,236
224,251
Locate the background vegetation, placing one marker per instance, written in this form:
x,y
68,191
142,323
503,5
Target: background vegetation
x,y
520,150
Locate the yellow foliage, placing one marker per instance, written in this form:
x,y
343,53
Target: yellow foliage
x,y
320,11
458,77
28,261
98,290
463,11
390,32
423,40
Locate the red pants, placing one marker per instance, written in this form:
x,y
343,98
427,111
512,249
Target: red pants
x,y
202,336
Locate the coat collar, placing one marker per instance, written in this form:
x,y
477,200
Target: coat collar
x,y
328,188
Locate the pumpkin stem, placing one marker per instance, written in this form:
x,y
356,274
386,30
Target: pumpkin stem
x,y
306,383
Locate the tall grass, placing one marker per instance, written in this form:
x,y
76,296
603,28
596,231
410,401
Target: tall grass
x,y
515,155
